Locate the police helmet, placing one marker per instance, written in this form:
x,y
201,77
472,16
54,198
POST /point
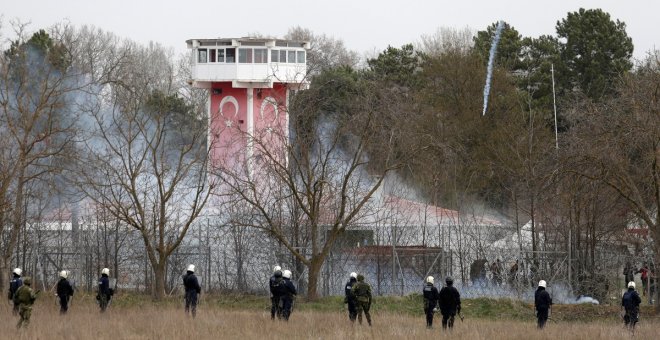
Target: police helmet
x,y
543,284
353,275
287,274
191,268
18,271
277,268
631,284
429,279
105,271
64,274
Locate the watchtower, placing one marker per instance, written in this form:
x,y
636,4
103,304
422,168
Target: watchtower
x,y
249,82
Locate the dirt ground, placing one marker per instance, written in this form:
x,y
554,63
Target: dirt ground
x,y
169,322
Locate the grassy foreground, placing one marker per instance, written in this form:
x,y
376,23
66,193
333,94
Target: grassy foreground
x,y
235,317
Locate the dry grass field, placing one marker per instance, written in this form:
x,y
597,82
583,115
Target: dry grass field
x,y
148,321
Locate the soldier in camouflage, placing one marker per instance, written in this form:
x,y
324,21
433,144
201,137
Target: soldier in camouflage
x,y
362,292
24,298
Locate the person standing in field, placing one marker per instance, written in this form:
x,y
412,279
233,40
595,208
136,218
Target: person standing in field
x,y
25,297
14,284
192,290
630,304
450,303
287,299
362,292
104,293
275,285
628,273
431,297
645,277
349,298
64,292
542,302
496,269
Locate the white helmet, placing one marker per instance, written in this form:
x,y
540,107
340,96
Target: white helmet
x,y
429,279
191,268
287,274
631,284
18,271
277,268
542,284
353,275
64,274
105,271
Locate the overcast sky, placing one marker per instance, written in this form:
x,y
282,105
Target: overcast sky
x,y
364,25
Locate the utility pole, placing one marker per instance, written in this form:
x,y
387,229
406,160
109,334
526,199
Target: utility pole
x,y
554,104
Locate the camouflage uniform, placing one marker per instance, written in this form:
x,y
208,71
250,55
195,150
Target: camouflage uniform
x,y
24,297
362,293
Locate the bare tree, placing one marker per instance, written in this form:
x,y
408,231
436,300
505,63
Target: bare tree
x,y
617,143
325,52
37,125
306,192
445,40
147,158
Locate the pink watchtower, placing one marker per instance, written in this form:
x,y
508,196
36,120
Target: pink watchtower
x,y
249,82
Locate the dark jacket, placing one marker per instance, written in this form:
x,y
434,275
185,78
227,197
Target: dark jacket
x,y
631,300
431,296
542,299
191,284
276,284
348,293
104,286
64,289
450,300
289,289
14,284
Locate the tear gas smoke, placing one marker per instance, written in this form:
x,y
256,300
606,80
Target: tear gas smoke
x,y
491,59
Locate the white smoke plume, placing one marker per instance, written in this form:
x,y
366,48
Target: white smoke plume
x,y
491,59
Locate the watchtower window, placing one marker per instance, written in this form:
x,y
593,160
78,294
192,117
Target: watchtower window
x,y
282,56
275,56
260,55
301,57
292,57
221,55
202,55
245,55
212,55
231,55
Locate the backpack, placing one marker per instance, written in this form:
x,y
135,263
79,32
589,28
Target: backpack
x,y
362,292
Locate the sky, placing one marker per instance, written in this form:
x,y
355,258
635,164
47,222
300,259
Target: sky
x,y
365,26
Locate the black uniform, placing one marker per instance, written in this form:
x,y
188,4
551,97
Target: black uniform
x,y
193,289
104,293
431,297
630,303
542,302
64,293
15,283
277,289
286,300
349,299
450,304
